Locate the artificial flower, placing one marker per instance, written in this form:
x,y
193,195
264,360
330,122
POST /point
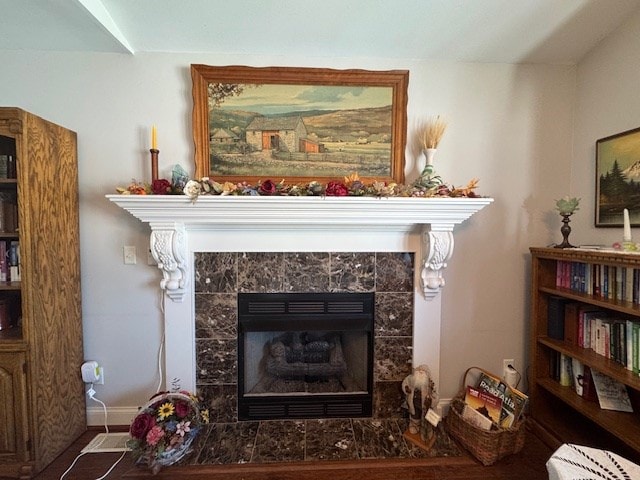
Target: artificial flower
x,y
267,187
165,428
142,424
166,410
336,189
427,185
161,186
192,189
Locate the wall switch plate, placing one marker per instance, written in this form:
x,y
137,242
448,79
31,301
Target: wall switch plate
x,y
129,252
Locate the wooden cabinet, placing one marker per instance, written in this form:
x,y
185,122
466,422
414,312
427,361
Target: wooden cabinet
x,y
44,407
558,413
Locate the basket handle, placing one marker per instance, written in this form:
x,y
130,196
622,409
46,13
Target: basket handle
x,y
486,372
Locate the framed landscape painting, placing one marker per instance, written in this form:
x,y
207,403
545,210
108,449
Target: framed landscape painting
x,y
618,179
298,124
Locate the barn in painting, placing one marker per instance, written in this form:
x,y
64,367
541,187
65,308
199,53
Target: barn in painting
x,y
276,133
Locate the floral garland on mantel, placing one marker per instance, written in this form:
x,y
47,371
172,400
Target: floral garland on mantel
x,y
427,185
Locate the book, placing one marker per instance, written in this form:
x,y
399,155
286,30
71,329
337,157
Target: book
x,y
612,395
566,375
577,369
555,317
513,400
571,316
588,389
485,403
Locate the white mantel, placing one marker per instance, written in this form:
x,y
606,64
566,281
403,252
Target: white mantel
x,y
180,227
172,216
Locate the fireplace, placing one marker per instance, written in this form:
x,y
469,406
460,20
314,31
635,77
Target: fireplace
x,y
180,228
305,355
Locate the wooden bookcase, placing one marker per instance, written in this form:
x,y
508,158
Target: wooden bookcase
x,y
43,400
558,414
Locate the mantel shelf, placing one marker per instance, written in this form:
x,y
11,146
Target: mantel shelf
x,y
394,213
171,217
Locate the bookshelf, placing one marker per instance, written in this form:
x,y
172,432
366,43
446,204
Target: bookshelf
x,y
576,276
41,389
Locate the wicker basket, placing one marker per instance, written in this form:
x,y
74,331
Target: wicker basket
x,y
488,446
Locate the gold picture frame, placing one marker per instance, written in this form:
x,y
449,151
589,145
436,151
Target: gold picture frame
x,y
298,124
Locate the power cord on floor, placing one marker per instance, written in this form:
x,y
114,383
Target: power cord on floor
x,y
91,393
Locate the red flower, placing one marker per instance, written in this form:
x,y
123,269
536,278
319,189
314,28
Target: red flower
x,y
182,409
161,186
141,425
267,188
336,189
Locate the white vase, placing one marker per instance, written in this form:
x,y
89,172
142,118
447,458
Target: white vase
x,y
429,153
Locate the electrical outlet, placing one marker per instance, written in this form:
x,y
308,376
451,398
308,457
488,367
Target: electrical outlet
x,y
505,366
129,253
100,380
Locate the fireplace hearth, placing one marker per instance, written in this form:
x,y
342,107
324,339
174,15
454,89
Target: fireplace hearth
x,y
305,355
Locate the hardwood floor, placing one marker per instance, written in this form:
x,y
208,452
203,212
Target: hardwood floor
x,y
529,464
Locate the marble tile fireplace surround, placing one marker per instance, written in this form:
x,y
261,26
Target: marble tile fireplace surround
x,y
216,247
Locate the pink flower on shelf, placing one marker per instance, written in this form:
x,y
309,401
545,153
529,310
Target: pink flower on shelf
x,y
183,427
154,435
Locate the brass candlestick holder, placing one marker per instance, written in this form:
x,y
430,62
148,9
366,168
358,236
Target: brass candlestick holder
x,y
154,163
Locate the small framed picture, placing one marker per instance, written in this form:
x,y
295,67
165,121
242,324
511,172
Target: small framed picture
x,y
618,179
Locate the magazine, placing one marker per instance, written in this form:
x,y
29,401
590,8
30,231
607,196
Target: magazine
x,y
485,403
513,400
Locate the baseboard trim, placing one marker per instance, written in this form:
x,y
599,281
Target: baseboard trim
x,y
115,416
124,415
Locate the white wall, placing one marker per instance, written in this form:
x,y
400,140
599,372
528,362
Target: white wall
x,y
510,126
607,102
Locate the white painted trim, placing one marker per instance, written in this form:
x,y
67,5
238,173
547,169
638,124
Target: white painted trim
x,y
116,416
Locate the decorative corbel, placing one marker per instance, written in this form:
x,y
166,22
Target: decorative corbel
x,y
437,248
168,246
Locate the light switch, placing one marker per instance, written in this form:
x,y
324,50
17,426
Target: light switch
x,y
129,255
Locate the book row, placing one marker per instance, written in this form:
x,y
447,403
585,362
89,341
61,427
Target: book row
x,y
8,212
589,383
9,261
491,403
611,335
604,281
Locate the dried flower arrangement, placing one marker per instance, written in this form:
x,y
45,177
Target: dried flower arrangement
x,y
432,132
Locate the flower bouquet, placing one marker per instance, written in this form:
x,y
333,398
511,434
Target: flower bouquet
x,y
164,429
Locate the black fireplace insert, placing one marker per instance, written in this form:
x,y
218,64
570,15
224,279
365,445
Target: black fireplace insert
x,y
305,355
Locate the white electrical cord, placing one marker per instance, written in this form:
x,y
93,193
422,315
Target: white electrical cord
x,y
161,348
92,395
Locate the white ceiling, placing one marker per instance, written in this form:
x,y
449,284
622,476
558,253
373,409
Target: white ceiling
x,y
504,31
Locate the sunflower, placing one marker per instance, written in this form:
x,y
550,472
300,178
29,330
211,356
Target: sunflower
x,y
165,410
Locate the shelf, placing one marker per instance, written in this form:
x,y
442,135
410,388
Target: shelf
x,y
593,360
10,335
563,414
616,305
621,424
10,286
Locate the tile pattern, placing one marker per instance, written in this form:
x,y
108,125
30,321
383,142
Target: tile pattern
x,y
220,276
277,441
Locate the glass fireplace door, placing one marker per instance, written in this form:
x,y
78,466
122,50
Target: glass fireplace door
x,y
305,355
